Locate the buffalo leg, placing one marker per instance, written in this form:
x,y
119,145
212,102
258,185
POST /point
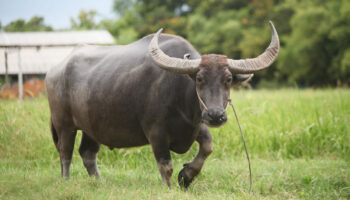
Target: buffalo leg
x,y
66,138
161,152
192,169
88,151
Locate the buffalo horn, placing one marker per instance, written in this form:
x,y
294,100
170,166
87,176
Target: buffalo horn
x,y
177,65
251,65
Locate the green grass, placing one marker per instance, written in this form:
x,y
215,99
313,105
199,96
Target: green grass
x,y
299,142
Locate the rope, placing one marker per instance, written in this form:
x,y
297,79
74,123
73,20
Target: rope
x,y
245,146
201,101
240,129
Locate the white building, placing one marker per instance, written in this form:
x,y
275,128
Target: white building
x,y
34,53
39,51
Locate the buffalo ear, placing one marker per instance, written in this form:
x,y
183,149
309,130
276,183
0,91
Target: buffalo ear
x,y
238,79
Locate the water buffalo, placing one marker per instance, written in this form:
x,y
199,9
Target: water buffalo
x,y
158,90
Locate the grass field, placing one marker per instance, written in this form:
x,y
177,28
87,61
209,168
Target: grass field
x,y
299,141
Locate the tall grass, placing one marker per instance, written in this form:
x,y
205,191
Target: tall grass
x,y
291,123
299,142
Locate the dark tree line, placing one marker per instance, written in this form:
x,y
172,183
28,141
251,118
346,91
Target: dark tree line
x,y
314,34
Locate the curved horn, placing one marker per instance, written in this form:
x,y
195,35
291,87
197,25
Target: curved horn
x,y
171,64
251,65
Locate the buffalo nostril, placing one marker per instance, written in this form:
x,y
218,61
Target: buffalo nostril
x,y
223,118
217,116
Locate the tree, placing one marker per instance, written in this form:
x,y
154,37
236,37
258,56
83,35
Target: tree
x,y
85,20
124,29
36,23
16,26
314,34
153,14
316,52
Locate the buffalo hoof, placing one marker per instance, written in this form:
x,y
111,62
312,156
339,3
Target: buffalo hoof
x,y
183,179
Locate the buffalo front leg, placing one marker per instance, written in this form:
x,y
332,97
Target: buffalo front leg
x,y
192,169
88,151
162,154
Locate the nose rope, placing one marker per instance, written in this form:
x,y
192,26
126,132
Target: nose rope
x,y
205,107
201,101
229,102
245,146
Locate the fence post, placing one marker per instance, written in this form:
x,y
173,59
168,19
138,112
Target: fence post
x,y
20,76
6,67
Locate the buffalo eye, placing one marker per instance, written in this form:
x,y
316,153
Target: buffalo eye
x,y
229,80
199,79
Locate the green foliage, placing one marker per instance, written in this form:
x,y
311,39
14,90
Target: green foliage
x,y
315,49
315,34
123,29
298,142
84,21
36,23
121,6
16,26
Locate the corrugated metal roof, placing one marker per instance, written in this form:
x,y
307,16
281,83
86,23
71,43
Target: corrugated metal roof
x,y
55,38
40,60
34,61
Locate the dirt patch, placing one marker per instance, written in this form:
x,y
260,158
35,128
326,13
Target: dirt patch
x,y
31,89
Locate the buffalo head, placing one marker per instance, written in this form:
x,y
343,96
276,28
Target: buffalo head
x,y
214,74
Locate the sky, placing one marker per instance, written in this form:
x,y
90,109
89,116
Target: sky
x,y
56,13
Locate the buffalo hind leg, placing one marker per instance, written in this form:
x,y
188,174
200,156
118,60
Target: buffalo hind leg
x,y
65,146
161,152
192,169
54,136
88,151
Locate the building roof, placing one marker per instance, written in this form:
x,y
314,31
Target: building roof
x,y
54,47
64,38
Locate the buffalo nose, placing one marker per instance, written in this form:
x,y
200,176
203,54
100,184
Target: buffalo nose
x,y
217,115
